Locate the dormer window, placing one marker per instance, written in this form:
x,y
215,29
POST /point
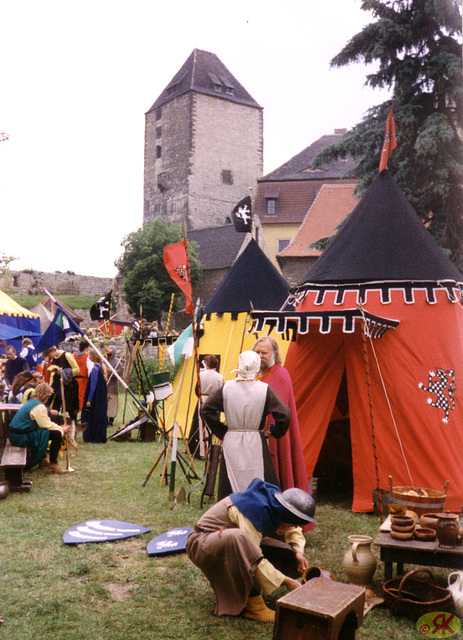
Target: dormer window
x,y
216,82
271,198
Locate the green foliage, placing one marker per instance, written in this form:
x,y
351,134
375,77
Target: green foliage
x,y
28,301
145,280
417,46
5,262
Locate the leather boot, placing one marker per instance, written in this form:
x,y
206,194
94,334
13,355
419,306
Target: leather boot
x,y
256,609
55,468
44,464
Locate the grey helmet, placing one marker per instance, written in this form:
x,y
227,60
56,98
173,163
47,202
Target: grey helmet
x,y
299,503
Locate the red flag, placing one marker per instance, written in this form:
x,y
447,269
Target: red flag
x,y
389,143
176,263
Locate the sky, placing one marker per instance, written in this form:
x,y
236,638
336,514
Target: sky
x,y
78,77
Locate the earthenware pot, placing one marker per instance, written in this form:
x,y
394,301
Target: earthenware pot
x,y
447,530
429,520
359,562
316,572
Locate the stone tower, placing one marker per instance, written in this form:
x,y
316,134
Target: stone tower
x,y
203,145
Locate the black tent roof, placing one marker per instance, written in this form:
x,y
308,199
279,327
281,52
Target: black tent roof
x,y
382,240
252,280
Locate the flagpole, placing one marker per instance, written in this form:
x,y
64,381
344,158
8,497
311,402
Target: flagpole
x,y
114,372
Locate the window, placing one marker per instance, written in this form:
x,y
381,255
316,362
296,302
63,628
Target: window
x,y
158,151
227,176
282,244
271,206
158,132
158,114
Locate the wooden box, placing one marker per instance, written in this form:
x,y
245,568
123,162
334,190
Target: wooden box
x,y
321,609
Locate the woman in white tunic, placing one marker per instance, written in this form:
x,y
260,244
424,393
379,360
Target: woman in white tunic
x,y
246,403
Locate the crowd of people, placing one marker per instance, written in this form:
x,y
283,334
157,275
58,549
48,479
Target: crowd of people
x,y
51,392
263,489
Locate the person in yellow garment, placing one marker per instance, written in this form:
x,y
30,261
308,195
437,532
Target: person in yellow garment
x,y
32,428
227,545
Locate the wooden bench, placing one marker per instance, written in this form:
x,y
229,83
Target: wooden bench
x,y
12,464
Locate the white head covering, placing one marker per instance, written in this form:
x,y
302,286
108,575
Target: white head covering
x,y
248,365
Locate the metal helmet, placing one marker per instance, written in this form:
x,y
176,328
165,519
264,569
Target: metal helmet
x,y
299,503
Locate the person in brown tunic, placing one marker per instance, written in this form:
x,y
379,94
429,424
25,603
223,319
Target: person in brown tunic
x,y
226,545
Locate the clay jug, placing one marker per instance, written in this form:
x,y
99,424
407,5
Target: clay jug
x,y
359,562
456,588
447,529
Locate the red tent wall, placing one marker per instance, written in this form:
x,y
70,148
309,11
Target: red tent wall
x,y
420,448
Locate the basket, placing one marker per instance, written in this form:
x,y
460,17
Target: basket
x,y
412,597
433,502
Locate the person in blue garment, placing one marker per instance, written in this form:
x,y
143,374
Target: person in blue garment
x,y
94,411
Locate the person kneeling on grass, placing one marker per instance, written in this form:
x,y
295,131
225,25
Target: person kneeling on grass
x,y
227,545
32,428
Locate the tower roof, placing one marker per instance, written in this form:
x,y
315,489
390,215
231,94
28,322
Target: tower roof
x,y
203,72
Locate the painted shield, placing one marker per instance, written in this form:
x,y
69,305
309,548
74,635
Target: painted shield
x,y
173,541
101,531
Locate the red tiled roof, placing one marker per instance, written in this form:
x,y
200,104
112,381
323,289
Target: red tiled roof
x,y
332,205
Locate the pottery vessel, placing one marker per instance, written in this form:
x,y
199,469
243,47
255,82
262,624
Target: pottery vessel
x,y
456,587
316,572
429,520
4,489
359,562
447,530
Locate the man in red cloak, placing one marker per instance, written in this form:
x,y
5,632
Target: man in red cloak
x,y
286,451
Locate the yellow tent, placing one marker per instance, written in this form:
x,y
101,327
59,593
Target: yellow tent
x,y
252,283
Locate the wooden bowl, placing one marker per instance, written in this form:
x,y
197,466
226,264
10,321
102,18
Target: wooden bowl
x,y
425,534
397,535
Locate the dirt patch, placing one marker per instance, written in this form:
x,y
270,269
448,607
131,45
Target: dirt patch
x,y
119,591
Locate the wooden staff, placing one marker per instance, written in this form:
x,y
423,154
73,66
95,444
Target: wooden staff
x,y
66,443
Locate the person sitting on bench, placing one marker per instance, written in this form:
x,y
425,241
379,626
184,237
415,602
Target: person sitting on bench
x,y
32,428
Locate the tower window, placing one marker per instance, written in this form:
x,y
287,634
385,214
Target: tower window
x,y
158,114
227,176
158,151
158,132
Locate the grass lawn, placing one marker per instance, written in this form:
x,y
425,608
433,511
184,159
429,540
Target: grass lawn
x,y
114,590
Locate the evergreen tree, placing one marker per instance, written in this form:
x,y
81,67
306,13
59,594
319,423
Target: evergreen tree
x,y
417,44
145,280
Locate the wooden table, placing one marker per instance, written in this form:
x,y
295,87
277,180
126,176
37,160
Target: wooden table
x,y
5,420
427,554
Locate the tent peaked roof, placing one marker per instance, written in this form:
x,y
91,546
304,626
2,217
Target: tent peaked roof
x,y
11,308
382,240
252,280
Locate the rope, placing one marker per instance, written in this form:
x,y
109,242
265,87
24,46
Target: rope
x,y
391,412
370,405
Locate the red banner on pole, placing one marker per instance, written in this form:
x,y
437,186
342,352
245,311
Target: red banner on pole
x,y
389,143
176,263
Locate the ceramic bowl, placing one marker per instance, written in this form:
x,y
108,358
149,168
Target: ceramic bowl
x,y
401,529
402,521
398,535
425,534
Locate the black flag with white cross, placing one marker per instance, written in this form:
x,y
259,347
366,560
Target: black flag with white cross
x,y
242,215
100,310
